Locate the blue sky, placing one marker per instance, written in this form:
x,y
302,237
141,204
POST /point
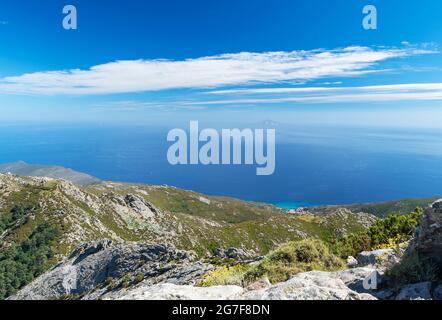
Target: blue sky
x,y
147,62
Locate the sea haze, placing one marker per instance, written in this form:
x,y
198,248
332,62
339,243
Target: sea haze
x,y
314,165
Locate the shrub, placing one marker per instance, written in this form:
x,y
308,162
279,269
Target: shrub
x,y
138,278
412,269
388,232
225,275
279,265
292,258
126,281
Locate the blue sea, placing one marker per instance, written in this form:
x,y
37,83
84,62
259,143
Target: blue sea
x,y
314,165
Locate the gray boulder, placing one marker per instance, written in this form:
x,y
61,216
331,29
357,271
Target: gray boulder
x,y
314,285
235,253
437,206
428,238
417,291
381,258
352,262
169,291
139,205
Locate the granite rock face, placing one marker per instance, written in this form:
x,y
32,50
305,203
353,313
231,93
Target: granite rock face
x,y
428,238
96,267
314,285
169,291
235,253
381,258
304,286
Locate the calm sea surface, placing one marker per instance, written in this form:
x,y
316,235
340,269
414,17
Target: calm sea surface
x,y
313,166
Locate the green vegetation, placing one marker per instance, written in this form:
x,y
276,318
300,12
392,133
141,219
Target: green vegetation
x,y
314,254
16,216
20,264
388,232
226,275
412,269
279,265
292,258
383,209
189,220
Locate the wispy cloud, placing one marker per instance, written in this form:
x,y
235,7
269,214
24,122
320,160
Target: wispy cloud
x,y
391,92
133,105
3,22
207,72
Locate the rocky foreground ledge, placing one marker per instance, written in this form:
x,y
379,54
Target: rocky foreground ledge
x,y
101,270
134,271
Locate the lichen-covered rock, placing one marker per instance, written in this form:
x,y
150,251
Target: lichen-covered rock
x,y
139,205
260,284
356,277
313,285
428,238
235,253
352,262
169,291
381,258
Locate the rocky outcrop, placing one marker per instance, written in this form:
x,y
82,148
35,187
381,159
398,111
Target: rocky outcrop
x,y
352,262
103,270
304,286
169,291
95,268
132,271
428,238
314,285
235,253
381,258
139,205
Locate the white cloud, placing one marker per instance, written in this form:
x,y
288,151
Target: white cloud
x,y
132,105
391,92
206,72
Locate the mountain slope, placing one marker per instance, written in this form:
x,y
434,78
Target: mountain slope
x,y
126,212
42,220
